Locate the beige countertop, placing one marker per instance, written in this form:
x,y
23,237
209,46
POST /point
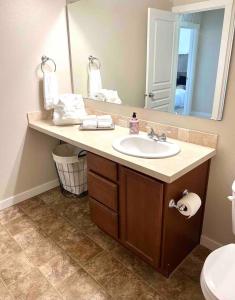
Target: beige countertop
x,y
100,142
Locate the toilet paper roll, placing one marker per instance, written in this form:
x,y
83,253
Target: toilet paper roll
x,y
189,205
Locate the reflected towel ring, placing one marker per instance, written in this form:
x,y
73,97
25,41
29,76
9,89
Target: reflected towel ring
x,y
94,60
44,60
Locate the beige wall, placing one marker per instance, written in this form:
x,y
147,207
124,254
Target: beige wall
x,y
28,29
115,32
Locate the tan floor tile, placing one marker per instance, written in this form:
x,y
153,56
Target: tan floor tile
x,y
19,225
40,212
57,201
133,263
50,294
8,245
10,214
81,286
4,293
29,205
83,223
192,266
201,252
178,286
76,209
29,237
67,237
42,252
79,215
30,287
83,250
52,223
101,238
125,285
14,267
59,268
103,267
52,196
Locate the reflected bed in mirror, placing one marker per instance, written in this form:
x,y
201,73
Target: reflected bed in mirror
x,y
149,54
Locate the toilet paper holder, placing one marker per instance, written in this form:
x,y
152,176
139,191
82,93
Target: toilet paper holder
x,y
173,204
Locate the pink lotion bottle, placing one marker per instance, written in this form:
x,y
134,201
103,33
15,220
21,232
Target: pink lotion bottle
x,y
134,124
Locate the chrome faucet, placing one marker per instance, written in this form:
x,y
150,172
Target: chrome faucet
x,y
156,137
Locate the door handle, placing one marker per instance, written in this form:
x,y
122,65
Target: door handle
x,y
150,95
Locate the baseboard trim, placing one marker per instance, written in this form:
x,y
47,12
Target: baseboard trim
x,y
209,243
28,194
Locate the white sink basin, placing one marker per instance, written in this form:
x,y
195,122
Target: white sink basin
x,y
145,147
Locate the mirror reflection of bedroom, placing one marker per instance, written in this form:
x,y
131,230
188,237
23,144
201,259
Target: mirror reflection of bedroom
x,y
198,53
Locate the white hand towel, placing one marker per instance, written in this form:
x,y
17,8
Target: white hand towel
x,y
105,121
94,81
69,110
89,122
110,96
50,90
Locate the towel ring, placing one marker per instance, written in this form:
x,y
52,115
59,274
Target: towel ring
x,y
44,60
94,60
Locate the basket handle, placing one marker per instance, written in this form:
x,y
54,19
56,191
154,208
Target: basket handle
x,y
80,153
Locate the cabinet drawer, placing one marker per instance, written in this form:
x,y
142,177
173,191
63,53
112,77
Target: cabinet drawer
x,y
105,218
102,166
103,190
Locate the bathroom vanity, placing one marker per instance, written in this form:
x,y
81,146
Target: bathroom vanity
x,y
134,209
130,196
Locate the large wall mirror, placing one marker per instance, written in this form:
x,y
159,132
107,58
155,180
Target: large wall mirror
x,y
148,54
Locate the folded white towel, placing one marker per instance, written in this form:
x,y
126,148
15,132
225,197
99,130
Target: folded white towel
x,y
94,122
50,90
104,124
105,121
94,81
110,96
69,110
89,124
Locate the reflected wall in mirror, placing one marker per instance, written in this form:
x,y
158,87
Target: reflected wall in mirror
x,y
182,70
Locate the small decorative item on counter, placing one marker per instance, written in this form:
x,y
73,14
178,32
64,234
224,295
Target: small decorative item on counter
x,y
134,124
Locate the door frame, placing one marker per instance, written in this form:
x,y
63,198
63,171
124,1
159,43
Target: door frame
x,y
225,47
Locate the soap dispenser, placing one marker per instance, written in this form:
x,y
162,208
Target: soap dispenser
x,y
134,124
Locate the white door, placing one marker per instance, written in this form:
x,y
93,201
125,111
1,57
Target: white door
x,y
162,59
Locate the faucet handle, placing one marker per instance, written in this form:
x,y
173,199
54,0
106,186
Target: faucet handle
x,y
151,133
162,137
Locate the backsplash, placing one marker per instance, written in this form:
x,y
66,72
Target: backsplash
x,y
182,134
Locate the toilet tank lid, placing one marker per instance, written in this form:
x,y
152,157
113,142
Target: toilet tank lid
x,y
219,272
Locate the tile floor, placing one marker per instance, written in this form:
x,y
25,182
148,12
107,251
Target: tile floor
x,y
50,250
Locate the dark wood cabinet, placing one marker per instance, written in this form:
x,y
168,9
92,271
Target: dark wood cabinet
x,y
134,209
141,203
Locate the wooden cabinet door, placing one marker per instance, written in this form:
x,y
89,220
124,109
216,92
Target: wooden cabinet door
x,y
141,204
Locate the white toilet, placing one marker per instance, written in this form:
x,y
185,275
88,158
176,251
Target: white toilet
x,y
218,273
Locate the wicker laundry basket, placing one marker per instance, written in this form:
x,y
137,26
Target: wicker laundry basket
x,y
71,166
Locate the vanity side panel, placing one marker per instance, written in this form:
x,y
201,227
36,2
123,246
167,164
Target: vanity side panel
x,y
180,234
